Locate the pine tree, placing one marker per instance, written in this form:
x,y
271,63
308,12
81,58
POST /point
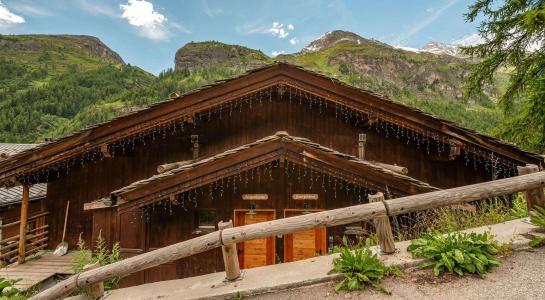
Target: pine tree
x,y
514,34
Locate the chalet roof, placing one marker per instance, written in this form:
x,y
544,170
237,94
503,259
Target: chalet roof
x,y
391,177
162,113
13,195
7,150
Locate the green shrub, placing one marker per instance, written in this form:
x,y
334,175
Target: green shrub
x,y
9,291
537,217
101,254
361,268
456,252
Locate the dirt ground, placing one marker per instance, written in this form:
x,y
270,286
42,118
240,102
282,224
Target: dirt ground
x,y
521,276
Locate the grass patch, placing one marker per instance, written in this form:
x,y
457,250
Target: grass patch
x,y
459,217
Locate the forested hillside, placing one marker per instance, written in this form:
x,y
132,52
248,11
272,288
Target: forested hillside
x,y
68,85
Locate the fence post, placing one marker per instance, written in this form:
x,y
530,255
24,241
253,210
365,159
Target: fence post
x,y
230,258
383,228
533,197
94,291
22,225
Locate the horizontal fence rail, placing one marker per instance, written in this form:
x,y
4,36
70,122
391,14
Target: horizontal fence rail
x,y
36,238
289,225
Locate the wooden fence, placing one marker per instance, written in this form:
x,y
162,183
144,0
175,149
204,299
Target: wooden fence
x,y
36,238
227,236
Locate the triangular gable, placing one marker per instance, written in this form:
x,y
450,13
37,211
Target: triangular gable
x,y
280,147
261,84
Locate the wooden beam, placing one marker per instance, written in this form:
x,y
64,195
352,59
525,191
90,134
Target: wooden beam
x,y
393,168
383,228
97,204
230,257
105,151
465,194
534,197
22,225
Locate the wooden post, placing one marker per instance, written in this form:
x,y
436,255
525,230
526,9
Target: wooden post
x,y
22,225
230,258
362,139
95,290
383,228
535,196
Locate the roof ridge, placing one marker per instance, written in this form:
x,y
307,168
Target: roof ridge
x,y
279,135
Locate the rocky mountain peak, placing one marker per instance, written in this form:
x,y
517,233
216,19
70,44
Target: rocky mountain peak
x,y
95,46
442,48
331,38
207,54
43,42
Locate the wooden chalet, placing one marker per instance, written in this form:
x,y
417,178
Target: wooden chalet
x,y
275,142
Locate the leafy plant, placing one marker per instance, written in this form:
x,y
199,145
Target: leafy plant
x,y
8,289
238,296
456,252
537,217
101,254
361,268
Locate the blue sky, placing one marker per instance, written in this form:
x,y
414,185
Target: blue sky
x,y
147,33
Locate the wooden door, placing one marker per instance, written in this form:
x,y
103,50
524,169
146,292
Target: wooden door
x,y
260,252
304,244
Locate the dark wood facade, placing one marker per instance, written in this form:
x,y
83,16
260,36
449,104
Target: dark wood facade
x,y
91,164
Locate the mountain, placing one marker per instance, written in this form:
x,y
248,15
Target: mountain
x,y
216,54
46,80
379,67
442,49
51,86
332,38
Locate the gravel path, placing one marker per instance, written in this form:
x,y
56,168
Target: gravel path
x,y
521,276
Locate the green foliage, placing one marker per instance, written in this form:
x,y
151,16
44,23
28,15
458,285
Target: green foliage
x,y
359,243
488,212
9,291
460,217
537,217
456,252
512,30
361,268
100,254
238,296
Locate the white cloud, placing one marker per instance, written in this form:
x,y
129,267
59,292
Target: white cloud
x,y
30,8
8,18
294,41
211,11
142,15
275,53
98,8
277,30
469,40
430,10
434,15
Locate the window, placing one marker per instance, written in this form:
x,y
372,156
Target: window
x,y
206,221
